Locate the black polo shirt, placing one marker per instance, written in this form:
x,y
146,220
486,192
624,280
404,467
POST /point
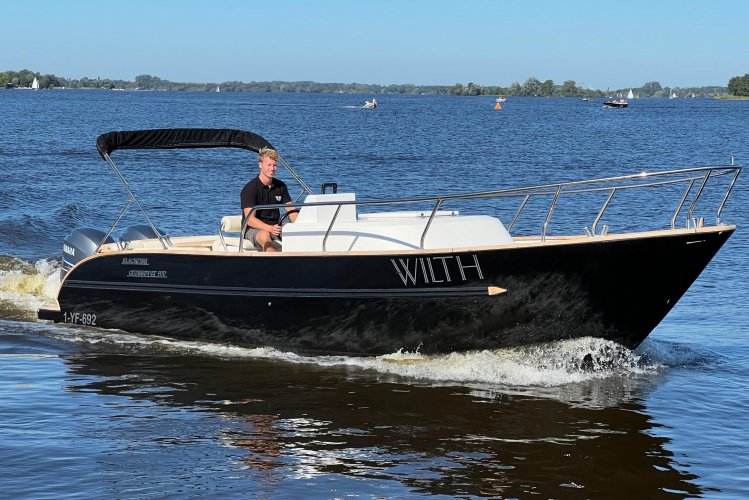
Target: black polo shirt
x,y
257,193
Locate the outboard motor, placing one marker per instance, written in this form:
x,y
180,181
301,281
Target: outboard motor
x,y
140,232
81,243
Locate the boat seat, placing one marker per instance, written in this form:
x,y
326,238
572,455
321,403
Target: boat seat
x,y
192,241
233,224
143,244
231,244
176,243
229,224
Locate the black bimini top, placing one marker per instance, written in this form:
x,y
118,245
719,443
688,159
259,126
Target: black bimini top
x,y
177,138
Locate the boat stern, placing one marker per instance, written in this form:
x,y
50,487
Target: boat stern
x,y
49,315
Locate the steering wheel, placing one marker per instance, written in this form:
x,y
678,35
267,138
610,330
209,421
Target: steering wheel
x,y
285,216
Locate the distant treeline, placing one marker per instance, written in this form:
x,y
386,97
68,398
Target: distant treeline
x,y
532,87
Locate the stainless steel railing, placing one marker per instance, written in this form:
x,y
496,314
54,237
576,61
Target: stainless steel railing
x,y
610,185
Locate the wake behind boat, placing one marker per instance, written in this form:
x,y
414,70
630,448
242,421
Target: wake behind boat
x,y
353,279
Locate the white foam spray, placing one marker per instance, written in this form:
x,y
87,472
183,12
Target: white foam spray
x,y
26,287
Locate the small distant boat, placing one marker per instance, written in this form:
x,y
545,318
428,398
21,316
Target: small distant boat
x,y
586,98
630,95
35,84
218,89
370,104
616,103
500,99
673,95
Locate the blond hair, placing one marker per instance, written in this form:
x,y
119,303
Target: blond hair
x,y
267,152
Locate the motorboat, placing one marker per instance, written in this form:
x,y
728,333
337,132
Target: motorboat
x,y
429,273
370,104
616,103
500,99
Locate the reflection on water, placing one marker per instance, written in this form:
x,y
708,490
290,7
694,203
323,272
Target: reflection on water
x,y
279,420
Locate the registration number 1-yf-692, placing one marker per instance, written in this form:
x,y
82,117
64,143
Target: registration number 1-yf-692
x,y
79,318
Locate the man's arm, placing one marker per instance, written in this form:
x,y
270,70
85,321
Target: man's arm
x,y
289,209
256,223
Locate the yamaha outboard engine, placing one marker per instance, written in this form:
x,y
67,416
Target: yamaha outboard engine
x,y
80,244
140,232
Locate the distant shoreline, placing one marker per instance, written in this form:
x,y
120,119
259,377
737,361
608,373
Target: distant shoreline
x,y
531,87
723,97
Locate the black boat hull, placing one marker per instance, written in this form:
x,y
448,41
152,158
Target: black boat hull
x,y
367,304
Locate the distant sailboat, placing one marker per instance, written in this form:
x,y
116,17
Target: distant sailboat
x,y
630,95
673,95
35,84
218,89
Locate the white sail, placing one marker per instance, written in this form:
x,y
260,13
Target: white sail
x,y
35,84
630,95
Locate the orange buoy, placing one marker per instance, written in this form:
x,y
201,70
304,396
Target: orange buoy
x,y
497,106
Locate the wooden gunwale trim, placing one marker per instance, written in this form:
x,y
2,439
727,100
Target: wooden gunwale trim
x,y
520,242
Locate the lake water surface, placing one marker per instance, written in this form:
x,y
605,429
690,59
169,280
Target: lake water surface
x,y
86,413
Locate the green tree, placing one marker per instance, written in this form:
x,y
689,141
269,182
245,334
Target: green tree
x,y
515,89
473,89
532,86
148,82
569,89
650,89
547,88
739,85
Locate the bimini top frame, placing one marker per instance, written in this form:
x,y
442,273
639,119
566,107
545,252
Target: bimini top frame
x,y
177,138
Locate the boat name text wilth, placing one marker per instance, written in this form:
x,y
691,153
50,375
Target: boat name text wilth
x,y
443,269
134,261
142,273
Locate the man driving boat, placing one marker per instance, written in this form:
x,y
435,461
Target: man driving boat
x,y
263,228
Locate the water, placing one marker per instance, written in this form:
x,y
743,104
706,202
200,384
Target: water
x,y
89,413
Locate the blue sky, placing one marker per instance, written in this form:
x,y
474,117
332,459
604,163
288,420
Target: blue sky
x,y
599,44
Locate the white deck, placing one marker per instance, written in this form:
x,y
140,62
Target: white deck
x,y
387,230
